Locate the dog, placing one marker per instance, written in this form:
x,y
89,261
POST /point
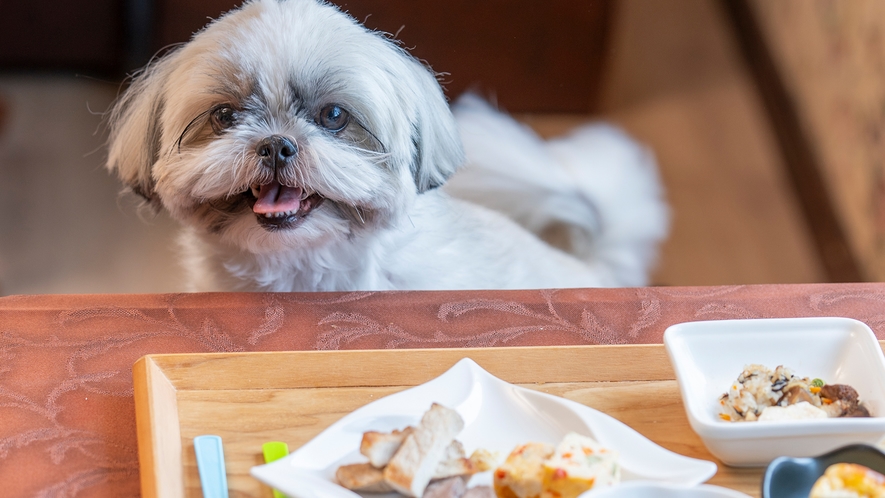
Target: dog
x,y
303,152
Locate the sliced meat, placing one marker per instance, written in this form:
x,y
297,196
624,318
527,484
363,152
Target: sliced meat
x,y
480,492
842,392
362,477
417,459
843,400
857,411
454,463
452,487
380,447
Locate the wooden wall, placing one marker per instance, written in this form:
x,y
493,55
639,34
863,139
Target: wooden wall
x,y
86,36
539,57
831,59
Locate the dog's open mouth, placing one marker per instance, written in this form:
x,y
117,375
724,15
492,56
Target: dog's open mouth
x,y
279,207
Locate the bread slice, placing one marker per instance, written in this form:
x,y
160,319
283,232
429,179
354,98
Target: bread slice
x,y
363,477
415,463
379,447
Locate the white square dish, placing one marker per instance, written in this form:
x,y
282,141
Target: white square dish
x,y
707,356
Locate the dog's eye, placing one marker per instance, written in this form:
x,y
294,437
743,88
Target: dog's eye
x,y
223,118
333,118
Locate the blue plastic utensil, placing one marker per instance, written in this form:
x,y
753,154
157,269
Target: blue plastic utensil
x,y
210,463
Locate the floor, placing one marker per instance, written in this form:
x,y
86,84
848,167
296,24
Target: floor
x,y
64,228
675,82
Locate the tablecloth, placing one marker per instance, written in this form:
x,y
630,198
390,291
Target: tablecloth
x,y
67,419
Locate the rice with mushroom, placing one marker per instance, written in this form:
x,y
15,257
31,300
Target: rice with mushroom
x,y
758,388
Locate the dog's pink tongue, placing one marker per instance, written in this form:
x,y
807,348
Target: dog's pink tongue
x,y
276,198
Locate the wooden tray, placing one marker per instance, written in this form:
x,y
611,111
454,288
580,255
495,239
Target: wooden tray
x,y
251,398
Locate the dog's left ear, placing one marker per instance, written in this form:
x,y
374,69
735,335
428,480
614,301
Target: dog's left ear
x,y
134,142
437,150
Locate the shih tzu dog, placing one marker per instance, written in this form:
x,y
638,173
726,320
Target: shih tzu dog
x,y
303,152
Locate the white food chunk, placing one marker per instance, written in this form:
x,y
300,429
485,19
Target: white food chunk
x,y
800,411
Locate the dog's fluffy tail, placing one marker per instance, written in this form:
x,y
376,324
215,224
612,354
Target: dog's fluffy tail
x,y
594,193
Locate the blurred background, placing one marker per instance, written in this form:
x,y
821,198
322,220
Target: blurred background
x,y
766,117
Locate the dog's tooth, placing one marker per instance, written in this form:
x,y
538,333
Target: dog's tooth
x,y
255,191
280,214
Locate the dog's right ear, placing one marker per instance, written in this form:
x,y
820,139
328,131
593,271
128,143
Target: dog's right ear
x,y
134,132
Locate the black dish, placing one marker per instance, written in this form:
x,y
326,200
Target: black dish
x,y
787,477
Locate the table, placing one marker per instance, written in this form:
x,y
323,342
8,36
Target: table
x,y
67,419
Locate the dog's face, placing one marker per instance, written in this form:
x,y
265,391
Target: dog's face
x,y
284,124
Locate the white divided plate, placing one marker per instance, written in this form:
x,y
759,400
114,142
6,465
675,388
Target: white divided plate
x,y
638,489
497,416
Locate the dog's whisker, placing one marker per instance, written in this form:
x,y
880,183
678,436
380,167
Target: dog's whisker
x,y
240,165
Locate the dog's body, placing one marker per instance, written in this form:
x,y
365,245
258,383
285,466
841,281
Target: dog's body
x,y
305,153
420,253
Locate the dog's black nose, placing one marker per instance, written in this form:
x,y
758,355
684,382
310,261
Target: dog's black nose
x,y
276,149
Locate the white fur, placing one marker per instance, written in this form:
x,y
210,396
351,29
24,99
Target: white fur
x,y
596,182
383,223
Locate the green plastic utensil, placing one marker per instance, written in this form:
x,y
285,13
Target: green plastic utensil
x,y
273,451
